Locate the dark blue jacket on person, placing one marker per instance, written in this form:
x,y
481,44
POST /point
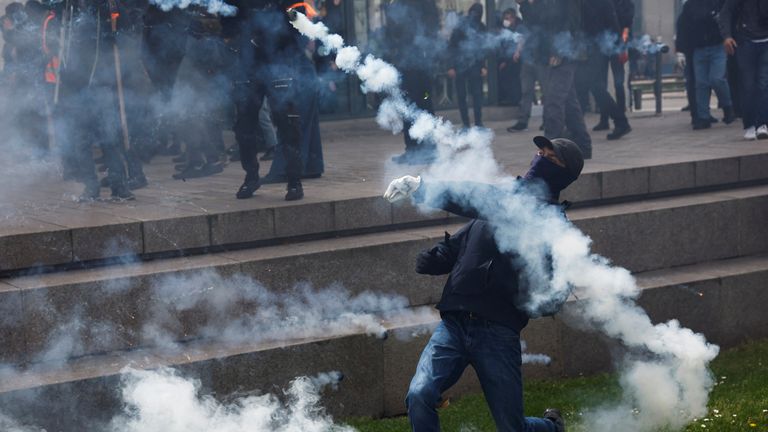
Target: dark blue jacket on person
x,y
483,280
697,25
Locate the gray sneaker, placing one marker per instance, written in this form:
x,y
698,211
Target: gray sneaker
x,y
553,415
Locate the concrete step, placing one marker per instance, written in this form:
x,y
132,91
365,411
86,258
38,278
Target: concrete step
x,y
723,299
67,235
120,301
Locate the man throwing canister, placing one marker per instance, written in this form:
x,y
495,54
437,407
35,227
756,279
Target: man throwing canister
x,y
485,302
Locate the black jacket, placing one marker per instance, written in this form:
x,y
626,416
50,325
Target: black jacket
x,y
744,18
549,21
697,25
625,12
482,280
467,45
600,17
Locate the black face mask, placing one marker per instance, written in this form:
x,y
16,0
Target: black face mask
x,y
556,177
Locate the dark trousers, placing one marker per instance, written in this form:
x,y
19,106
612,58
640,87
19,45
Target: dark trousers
x,y
597,65
417,86
752,60
283,96
510,86
89,118
690,84
561,107
617,68
473,80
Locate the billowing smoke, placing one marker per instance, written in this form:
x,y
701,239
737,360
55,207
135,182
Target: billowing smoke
x,y
238,309
665,373
165,401
215,7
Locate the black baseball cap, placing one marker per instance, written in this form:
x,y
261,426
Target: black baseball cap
x,y
565,150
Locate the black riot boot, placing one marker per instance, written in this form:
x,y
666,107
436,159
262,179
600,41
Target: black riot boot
x,y
295,191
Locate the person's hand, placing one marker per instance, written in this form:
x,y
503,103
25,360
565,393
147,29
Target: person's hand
x,y
680,60
730,46
555,61
423,261
516,57
402,188
483,72
502,65
452,73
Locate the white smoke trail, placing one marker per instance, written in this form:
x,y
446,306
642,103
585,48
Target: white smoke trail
x,y
667,381
215,7
533,358
238,309
164,401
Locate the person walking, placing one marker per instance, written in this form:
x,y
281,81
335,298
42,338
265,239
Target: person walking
x,y
699,20
467,63
559,24
411,37
744,28
601,24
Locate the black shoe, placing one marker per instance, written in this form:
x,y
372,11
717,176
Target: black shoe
x,y
294,191
268,155
137,183
198,171
104,182
699,125
247,189
618,132
518,127
555,417
121,193
729,116
601,126
686,108
712,119
90,193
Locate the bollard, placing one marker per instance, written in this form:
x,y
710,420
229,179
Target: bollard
x,y
661,49
637,98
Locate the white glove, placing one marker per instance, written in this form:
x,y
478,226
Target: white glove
x,y
402,188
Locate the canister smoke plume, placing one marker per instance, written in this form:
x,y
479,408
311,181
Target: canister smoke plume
x,y
667,382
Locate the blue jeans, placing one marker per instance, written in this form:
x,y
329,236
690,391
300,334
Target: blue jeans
x,y
709,69
752,59
494,352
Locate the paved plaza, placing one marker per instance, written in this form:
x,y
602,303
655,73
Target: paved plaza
x,y
357,164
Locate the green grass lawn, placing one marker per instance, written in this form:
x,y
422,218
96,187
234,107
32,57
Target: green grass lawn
x,y
739,401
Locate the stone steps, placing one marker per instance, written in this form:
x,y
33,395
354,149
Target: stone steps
x,y
119,301
70,235
722,298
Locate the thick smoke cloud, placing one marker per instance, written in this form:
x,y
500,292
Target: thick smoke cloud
x,y
215,7
665,373
164,401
